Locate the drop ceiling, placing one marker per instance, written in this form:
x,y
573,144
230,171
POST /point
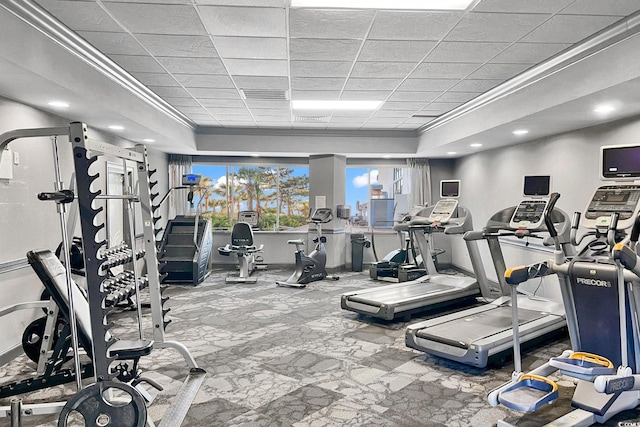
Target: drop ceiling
x,y
236,64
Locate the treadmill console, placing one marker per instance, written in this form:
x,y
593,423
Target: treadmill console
x,y
623,199
443,211
528,214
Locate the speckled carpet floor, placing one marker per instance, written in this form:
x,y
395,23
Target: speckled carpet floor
x,y
292,357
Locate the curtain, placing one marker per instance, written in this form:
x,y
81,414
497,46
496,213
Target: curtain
x,y
178,166
420,176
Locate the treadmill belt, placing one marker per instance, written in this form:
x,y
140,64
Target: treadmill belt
x,y
394,294
480,325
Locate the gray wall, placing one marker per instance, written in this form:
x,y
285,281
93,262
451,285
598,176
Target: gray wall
x,y
25,222
492,180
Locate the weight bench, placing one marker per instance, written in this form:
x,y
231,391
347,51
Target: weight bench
x,y
242,245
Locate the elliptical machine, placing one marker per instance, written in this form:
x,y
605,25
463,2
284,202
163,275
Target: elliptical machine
x,y
310,268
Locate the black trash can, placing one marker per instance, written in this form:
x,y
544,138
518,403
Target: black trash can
x,y
358,243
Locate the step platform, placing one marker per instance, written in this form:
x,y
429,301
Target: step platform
x,y
529,393
583,366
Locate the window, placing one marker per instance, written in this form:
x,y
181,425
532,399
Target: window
x,y
375,196
280,195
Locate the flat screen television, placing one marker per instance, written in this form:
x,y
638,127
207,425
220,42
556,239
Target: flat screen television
x,y
620,162
449,189
536,185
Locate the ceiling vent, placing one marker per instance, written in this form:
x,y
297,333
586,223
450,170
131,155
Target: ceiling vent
x,y
265,94
311,119
425,116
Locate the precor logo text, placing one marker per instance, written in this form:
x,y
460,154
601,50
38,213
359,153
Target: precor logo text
x,y
593,282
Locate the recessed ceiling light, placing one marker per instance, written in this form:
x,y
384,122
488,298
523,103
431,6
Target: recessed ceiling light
x,y
604,109
386,157
475,145
116,127
451,153
148,140
385,4
520,132
59,104
255,155
335,105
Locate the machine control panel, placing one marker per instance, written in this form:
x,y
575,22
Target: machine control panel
x,y
443,211
528,214
609,199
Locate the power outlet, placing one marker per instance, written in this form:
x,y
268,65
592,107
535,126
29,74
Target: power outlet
x,y
16,158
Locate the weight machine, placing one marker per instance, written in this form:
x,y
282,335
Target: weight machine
x,y
102,346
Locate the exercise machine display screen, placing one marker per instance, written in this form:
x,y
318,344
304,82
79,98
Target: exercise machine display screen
x,y
620,162
191,179
443,211
529,214
623,199
537,185
449,189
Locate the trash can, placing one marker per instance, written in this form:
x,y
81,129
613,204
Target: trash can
x,y
358,243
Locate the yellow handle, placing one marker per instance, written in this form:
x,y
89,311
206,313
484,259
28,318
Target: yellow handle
x,y
539,378
593,358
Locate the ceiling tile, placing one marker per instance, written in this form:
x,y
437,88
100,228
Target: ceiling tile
x,y
257,67
342,119
427,85
372,84
385,120
568,28
498,71
382,69
199,93
268,103
140,18
226,111
182,102
328,95
238,124
324,50
244,21
259,82
403,25
156,79
599,7
406,125
521,6
259,3
272,119
465,52
113,43
320,69
418,120
415,96
529,53
144,64
405,105
235,116
494,27
329,24
316,83
443,70
457,96
193,110
81,16
173,92
171,45
205,80
352,113
251,47
441,106
392,113
192,65
395,51
471,85
222,103
369,95
260,113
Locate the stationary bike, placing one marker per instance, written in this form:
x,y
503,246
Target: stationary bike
x,y
310,268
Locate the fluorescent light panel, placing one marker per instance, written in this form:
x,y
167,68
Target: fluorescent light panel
x,y
59,104
520,132
335,105
385,4
116,127
475,145
604,109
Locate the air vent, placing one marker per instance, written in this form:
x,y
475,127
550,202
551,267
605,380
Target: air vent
x,y
265,94
311,119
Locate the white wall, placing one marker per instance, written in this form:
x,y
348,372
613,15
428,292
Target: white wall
x,y
27,223
492,180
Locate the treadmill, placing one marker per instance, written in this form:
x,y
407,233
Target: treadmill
x,y
472,336
434,290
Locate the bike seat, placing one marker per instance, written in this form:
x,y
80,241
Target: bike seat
x,y
296,242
